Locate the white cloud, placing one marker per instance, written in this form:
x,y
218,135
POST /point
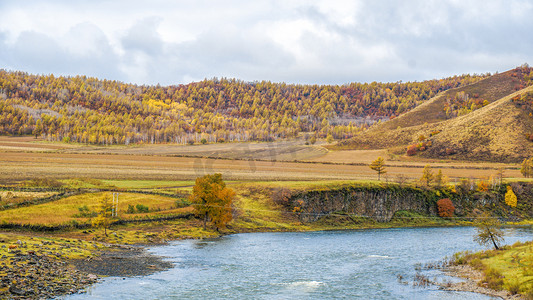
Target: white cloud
x,y
339,41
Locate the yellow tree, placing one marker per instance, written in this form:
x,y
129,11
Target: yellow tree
x,y
527,168
427,175
510,197
379,166
212,200
440,179
104,210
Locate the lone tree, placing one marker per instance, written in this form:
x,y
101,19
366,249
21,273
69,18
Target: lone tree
x,y
212,200
527,168
427,175
104,210
510,197
379,166
488,231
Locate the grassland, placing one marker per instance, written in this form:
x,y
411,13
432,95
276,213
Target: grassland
x,y
510,269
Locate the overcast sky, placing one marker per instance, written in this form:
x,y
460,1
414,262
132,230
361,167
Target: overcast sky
x,y
323,42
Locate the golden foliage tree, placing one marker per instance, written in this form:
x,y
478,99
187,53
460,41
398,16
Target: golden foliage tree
x,y
510,197
212,200
527,168
104,210
427,175
440,179
379,166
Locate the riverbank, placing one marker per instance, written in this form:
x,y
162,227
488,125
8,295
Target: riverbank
x,y
44,267
80,263
505,273
471,281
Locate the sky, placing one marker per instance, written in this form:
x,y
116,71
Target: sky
x,y
304,42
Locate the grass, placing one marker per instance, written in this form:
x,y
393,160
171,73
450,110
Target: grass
x,y
510,268
64,210
46,245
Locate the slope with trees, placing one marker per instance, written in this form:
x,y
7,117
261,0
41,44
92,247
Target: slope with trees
x,y
87,110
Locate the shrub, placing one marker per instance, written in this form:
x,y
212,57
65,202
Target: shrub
x,y
411,150
85,212
131,209
221,140
445,208
142,208
493,279
203,141
281,196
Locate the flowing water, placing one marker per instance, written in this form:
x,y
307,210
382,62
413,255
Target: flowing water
x,y
360,264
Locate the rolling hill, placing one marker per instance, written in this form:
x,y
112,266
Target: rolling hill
x,y
497,131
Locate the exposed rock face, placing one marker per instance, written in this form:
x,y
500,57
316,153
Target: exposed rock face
x,y
380,203
377,203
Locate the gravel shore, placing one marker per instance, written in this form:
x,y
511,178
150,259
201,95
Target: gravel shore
x,y
123,261
33,276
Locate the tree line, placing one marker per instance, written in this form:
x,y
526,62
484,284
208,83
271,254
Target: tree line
x,y
88,110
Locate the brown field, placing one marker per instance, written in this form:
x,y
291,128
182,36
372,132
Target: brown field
x,y
18,166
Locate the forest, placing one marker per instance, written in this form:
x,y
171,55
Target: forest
x,y
88,110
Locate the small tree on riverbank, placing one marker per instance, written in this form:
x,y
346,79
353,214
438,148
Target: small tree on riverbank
x,y
488,231
379,166
212,200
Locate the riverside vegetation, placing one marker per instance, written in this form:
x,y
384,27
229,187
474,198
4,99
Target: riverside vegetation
x,y
166,213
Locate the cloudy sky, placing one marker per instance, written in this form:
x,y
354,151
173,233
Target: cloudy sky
x,y
323,42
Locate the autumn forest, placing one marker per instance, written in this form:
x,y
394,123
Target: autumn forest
x,y
88,110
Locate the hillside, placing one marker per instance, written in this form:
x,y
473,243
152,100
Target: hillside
x,y
499,131
447,104
93,111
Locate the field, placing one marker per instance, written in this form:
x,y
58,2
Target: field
x,y
119,162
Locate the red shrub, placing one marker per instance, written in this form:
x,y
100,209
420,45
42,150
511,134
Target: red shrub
x,y
445,208
411,150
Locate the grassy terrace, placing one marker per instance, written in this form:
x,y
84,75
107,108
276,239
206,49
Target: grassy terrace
x,y
510,268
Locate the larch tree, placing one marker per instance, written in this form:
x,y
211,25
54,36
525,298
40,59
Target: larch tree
x,y
440,180
510,197
104,210
379,166
427,175
527,168
212,200
488,231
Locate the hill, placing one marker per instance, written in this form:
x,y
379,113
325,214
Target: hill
x,y
93,111
496,130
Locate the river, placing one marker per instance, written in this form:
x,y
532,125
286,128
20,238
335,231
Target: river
x,y
358,264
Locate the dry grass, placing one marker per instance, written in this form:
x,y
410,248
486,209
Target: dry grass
x,y
25,166
64,210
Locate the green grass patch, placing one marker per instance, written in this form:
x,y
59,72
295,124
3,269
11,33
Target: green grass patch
x,y
510,268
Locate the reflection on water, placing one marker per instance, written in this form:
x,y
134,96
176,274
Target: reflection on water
x,y
314,265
